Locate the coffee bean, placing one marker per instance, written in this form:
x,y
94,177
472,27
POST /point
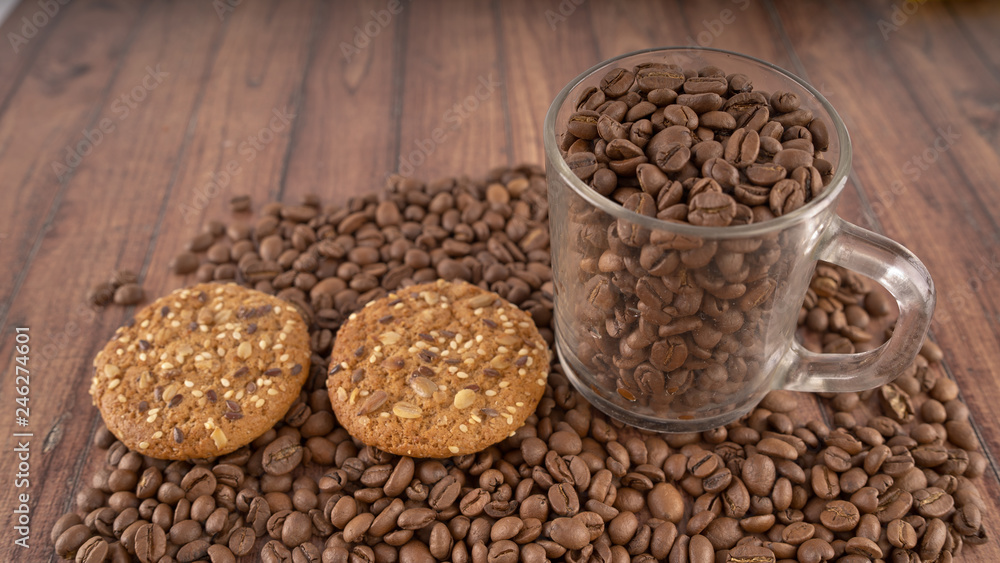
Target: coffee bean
x,y
665,502
758,474
840,516
700,550
777,448
933,502
569,533
504,551
814,551
296,529
712,209
185,531
197,482
506,528
241,540
184,263
275,552
128,294
101,294
415,518
69,541
193,551
864,547
281,456
444,493
150,543
750,554
94,550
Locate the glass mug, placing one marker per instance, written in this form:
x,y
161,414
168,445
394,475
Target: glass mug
x,y
683,328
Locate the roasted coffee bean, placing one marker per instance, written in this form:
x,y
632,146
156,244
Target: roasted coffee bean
x,y
759,474
197,482
281,456
814,551
840,516
296,529
933,502
185,531
128,294
150,543
103,293
569,533
94,550
241,541
274,552
712,209
665,502
184,263
747,553
193,551
70,540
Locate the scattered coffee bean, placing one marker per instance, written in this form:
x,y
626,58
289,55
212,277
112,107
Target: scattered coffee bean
x,y
239,203
184,263
128,294
101,294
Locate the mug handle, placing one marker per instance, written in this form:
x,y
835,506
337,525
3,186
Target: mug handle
x,y
905,277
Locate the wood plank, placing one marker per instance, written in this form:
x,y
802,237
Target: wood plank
x,y
67,86
958,104
453,106
534,34
240,141
979,20
348,143
22,41
104,221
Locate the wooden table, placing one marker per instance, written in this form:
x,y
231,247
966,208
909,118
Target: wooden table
x,y
124,125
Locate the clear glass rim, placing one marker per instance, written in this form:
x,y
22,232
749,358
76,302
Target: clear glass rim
x,y
558,165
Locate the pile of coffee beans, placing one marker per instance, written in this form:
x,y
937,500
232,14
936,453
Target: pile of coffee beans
x,y
840,310
122,288
840,305
669,325
571,484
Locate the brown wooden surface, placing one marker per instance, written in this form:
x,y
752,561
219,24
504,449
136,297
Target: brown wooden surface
x,y
357,120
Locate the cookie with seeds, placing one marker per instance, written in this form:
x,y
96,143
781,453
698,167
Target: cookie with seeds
x,y
201,372
437,370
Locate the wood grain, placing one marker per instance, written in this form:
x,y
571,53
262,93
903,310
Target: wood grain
x,y
98,222
349,75
331,97
453,97
68,84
